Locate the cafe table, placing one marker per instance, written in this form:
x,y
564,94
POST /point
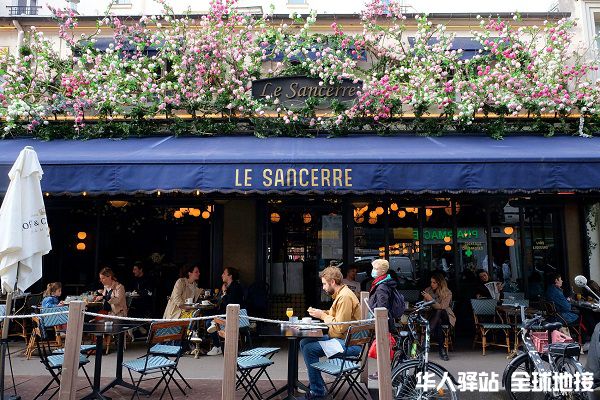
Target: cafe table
x,y
293,333
99,329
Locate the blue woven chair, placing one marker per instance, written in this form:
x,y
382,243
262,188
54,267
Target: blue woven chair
x,y
53,361
55,321
266,352
487,320
244,327
347,368
160,332
250,369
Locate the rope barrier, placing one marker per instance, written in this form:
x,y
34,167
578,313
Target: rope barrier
x,y
107,316
32,315
320,324
210,317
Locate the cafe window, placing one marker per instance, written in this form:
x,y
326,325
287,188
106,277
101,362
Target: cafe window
x,y
506,247
438,241
303,238
403,243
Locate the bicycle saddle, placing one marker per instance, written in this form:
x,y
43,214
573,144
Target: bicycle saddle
x,y
551,326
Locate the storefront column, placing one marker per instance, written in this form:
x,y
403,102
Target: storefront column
x,y
593,240
348,232
572,239
524,265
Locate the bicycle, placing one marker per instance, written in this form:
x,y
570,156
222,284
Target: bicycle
x,y
408,375
559,358
408,343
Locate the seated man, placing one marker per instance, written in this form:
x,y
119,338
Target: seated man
x,y
345,307
555,294
481,291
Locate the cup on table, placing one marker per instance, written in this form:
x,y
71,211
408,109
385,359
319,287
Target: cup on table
x,y
205,303
306,320
108,324
294,320
189,301
578,296
207,293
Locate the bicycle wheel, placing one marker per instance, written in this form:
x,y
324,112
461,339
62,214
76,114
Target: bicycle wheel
x,y
405,382
522,364
571,366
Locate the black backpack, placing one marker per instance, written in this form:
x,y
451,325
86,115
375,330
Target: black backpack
x,y
397,306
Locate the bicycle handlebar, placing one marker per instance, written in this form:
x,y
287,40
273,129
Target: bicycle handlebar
x,y
423,304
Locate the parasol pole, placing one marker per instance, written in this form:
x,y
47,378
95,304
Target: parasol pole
x,y
4,344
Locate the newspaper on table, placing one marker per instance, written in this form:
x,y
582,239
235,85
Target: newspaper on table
x,y
331,347
493,288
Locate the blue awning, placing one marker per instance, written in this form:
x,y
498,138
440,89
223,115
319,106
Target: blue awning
x,y
354,164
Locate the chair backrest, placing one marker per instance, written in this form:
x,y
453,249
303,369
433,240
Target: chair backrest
x,y
410,295
359,335
53,320
244,320
484,306
161,332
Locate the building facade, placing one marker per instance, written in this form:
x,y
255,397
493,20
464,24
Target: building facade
x,y
281,209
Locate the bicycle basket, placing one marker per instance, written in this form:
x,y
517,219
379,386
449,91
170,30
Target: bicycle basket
x,y
540,341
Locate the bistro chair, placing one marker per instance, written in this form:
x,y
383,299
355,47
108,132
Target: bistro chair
x,y
487,320
245,336
576,327
151,363
347,368
52,322
49,357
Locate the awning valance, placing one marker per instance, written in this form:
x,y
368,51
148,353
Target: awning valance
x,y
354,164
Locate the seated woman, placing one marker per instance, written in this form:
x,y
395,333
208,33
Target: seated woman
x,y
442,312
52,295
185,287
113,294
555,294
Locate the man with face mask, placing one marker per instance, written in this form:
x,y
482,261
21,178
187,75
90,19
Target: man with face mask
x,y
345,307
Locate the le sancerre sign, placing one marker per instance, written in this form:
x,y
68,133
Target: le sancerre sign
x,y
294,91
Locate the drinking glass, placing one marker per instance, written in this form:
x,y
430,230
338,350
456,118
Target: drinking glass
x,y
289,312
579,296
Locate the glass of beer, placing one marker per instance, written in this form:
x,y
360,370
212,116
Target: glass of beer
x,y
289,312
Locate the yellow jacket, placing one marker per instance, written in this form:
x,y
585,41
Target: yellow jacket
x,y
345,307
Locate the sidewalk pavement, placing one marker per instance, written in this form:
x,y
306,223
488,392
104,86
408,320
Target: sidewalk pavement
x,y
205,373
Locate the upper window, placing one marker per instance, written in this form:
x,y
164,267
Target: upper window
x,y
297,2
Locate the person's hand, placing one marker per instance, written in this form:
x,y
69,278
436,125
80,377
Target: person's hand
x,y
315,312
98,298
224,288
426,296
61,303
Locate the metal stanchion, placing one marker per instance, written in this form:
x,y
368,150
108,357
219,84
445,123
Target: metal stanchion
x,y
72,346
232,319
383,353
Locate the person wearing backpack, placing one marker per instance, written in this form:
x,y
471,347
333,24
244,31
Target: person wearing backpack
x,y
384,293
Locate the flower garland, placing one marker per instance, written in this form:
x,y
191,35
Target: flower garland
x,y
163,66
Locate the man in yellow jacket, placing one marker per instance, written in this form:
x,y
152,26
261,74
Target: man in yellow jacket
x,y
345,307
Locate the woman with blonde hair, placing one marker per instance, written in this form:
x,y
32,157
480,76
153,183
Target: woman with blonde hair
x,y
442,311
113,294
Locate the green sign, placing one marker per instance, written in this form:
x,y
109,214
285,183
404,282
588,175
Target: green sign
x,y
433,234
